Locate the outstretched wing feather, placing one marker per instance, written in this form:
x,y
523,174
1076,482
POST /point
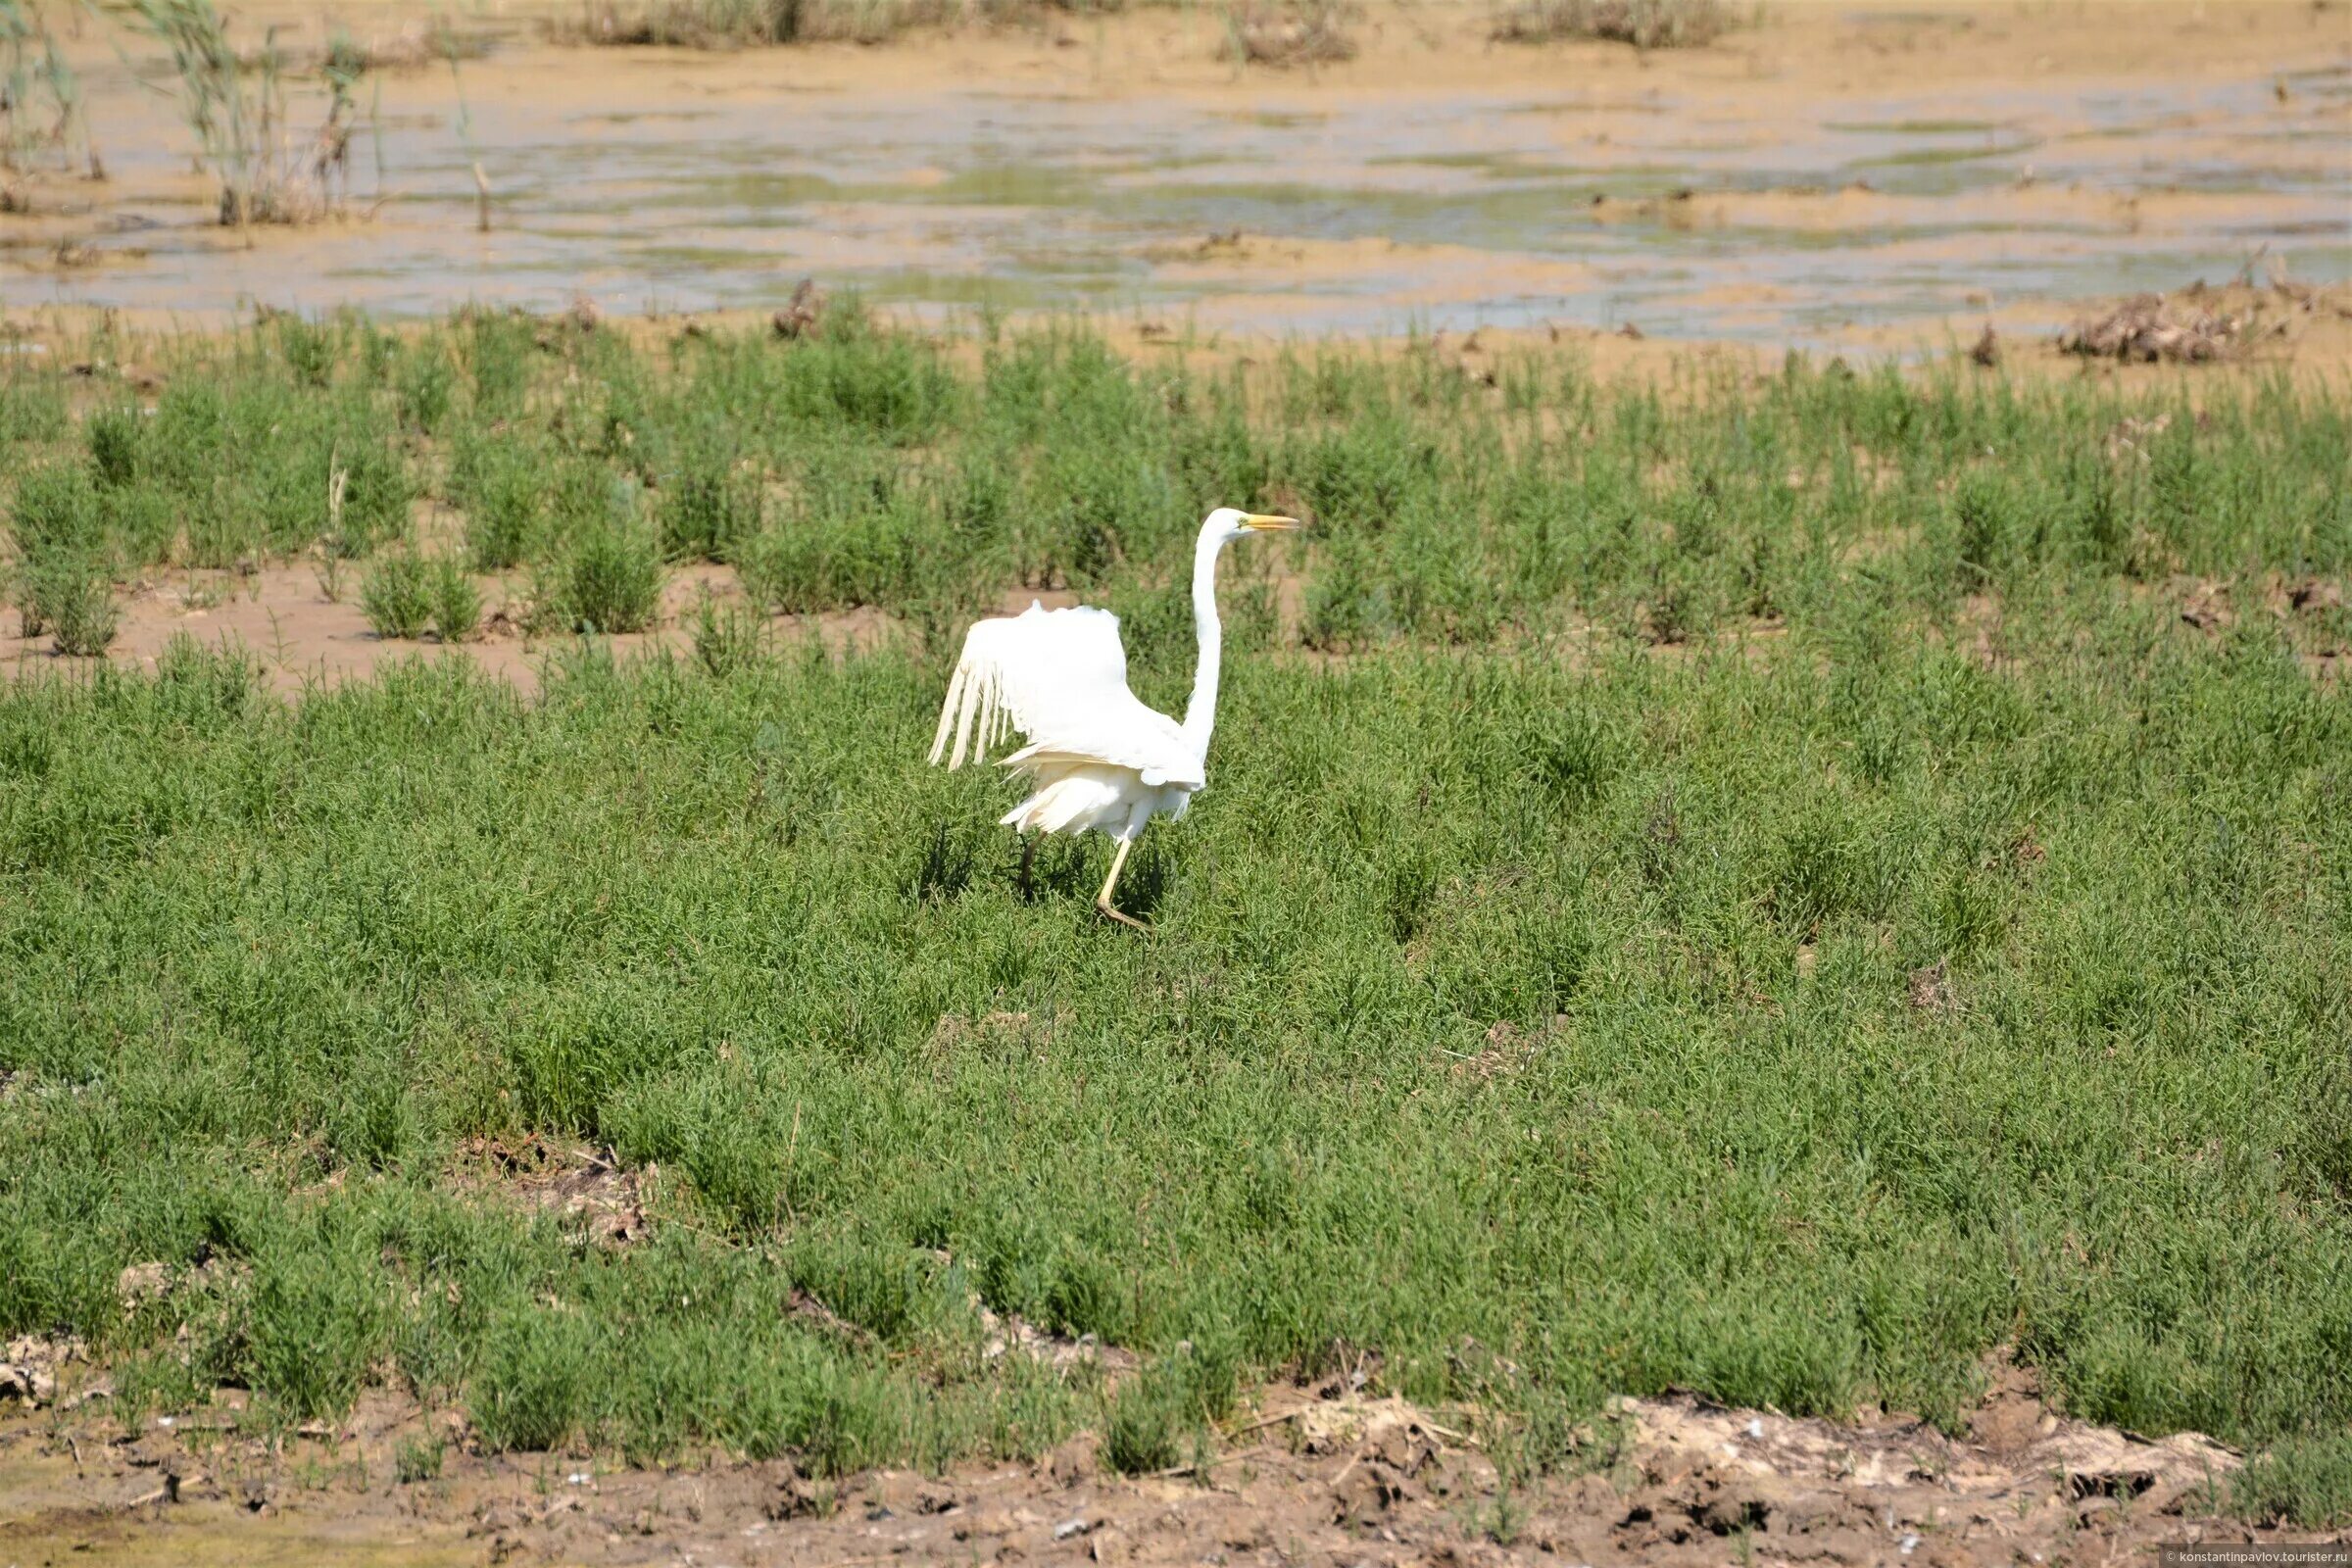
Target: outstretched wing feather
x,y
1059,679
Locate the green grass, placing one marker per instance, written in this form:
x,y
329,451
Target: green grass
x,y
1529,1000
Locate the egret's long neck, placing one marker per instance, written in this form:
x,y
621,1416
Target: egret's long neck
x,y
1201,717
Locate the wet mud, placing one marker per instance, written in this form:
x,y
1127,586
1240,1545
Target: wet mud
x,y
1822,175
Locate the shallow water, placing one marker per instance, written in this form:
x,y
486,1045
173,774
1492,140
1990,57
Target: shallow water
x,y
1438,210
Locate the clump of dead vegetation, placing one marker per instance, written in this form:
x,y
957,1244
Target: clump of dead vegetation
x,y
799,317
2199,325
748,23
1291,32
1643,24
2146,329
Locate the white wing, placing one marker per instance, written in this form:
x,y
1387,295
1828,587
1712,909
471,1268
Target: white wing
x,y
1059,677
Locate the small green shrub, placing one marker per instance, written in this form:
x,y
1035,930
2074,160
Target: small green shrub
x,y
32,411
839,559
1144,1422
499,534
456,603
318,1319
398,596
418,1458
498,348
424,380
608,580
532,1393
706,507
187,439
114,436
1575,754
142,520
71,598
368,491
1984,528
56,512
310,348
727,638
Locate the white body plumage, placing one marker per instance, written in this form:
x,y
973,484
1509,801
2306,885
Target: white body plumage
x,y
1097,760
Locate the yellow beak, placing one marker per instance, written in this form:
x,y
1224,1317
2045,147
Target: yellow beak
x,y
1265,522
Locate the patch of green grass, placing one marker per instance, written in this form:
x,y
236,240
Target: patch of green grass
x,y
315,1322
2305,1481
56,513
426,382
404,594
1531,1003
420,1458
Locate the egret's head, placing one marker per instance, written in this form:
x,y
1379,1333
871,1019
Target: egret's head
x,y
1230,522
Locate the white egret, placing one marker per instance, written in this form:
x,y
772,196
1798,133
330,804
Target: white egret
x,y
1096,759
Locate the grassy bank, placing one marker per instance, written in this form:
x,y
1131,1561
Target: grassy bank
x,y
1755,888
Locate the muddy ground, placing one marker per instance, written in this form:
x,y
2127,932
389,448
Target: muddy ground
x,y
1326,1475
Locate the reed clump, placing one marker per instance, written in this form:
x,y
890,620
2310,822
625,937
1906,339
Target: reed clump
x,y
238,105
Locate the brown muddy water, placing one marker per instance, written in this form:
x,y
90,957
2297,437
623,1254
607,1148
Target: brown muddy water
x,y
1813,179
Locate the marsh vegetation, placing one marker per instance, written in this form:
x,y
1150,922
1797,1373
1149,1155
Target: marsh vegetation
x,y
1779,886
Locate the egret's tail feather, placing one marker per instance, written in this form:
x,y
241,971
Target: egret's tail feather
x,y
948,713
974,710
1073,801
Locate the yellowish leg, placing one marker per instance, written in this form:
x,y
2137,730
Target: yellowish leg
x,y
1103,899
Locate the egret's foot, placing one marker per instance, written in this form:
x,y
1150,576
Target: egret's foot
x,y
1103,899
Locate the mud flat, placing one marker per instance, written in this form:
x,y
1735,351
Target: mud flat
x,y
1814,179
1315,1474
